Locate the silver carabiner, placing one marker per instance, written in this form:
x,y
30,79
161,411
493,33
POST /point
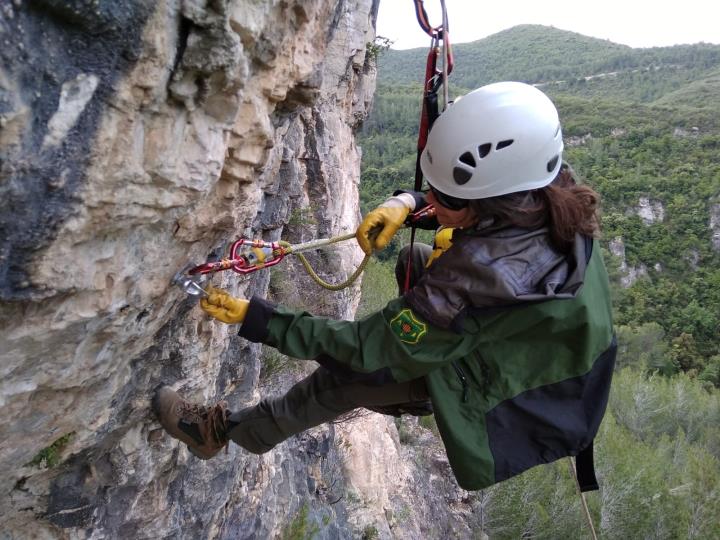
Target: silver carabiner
x,y
189,284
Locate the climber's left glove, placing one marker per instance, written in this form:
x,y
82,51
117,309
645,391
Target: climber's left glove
x,y
223,307
381,224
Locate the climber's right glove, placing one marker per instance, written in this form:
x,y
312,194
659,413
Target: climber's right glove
x,y
381,224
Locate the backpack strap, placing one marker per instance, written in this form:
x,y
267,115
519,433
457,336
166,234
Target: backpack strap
x,y
585,466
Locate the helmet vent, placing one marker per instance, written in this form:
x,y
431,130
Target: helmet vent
x,y
429,156
461,176
468,159
484,149
504,144
551,164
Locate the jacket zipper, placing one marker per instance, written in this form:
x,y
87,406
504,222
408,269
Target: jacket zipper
x,y
463,380
484,372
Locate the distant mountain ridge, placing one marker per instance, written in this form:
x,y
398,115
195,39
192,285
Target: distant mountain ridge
x,y
574,63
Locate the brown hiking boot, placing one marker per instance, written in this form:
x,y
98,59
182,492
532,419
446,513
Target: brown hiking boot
x,y
203,428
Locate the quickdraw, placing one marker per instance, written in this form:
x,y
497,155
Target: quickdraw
x,y
247,256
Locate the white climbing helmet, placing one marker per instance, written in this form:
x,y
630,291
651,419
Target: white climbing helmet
x,y
501,138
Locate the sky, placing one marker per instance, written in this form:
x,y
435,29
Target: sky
x,y
638,23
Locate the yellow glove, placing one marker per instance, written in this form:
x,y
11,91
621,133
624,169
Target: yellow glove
x,y
381,224
223,307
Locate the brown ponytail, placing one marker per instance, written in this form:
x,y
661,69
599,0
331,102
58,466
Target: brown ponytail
x,y
563,206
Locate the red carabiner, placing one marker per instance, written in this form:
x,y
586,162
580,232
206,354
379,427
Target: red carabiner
x,y
426,212
252,260
424,22
256,254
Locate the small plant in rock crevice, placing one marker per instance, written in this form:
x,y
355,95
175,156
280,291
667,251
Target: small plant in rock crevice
x,y
50,455
300,528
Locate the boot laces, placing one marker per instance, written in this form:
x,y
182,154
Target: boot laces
x,y
212,419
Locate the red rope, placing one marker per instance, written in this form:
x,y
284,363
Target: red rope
x,y
424,22
430,73
437,33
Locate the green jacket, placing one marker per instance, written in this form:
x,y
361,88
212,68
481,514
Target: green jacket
x,y
515,343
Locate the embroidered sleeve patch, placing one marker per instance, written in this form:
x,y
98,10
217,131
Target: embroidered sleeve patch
x,y
407,327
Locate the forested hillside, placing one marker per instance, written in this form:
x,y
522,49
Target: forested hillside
x,y
642,127
548,56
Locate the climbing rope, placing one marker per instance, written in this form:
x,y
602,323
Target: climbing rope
x,y
313,274
425,213
447,55
583,501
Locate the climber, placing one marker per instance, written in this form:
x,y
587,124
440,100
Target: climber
x,y
507,331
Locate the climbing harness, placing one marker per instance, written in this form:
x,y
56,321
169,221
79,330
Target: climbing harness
x,y
247,256
433,81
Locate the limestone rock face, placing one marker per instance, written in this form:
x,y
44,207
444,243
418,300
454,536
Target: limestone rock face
x,y
137,136
399,482
715,225
650,211
628,274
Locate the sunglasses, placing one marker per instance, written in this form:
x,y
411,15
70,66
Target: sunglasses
x,y
451,203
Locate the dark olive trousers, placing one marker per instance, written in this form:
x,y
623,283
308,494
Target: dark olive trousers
x,y
324,396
